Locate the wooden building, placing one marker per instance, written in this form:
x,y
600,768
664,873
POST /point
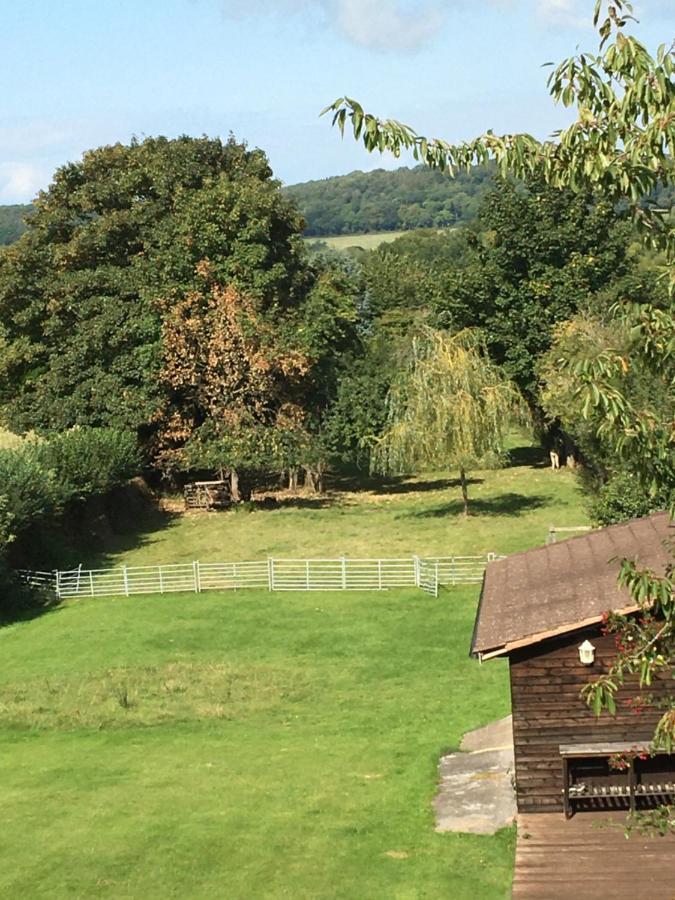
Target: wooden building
x,y
537,608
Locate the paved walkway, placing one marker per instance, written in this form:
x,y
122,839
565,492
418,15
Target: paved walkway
x,y
475,792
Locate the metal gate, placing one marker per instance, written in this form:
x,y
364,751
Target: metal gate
x,y
427,576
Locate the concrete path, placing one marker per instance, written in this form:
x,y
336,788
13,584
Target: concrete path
x,y
475,791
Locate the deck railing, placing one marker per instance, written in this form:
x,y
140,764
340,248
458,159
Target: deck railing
x,y
336,574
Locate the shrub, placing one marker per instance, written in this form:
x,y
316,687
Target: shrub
x,y
621,498
39,478
28,487
89,461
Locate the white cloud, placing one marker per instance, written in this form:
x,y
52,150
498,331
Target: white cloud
x,y
567,13
388,24
20,182
377,24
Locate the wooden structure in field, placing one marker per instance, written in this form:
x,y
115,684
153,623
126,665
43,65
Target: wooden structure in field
x,y
538,608
207,495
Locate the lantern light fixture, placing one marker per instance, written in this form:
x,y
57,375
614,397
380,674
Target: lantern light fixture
x,y
587,653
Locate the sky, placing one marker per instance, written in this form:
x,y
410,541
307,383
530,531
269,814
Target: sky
x,y
77,74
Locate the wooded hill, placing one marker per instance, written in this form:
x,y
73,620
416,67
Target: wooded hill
x,y
11,222
360,202
364,202
401,200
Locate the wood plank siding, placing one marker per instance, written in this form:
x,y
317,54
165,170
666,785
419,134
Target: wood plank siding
x,y
546,680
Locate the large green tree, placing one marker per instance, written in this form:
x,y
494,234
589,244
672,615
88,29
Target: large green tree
x,y
539,255
114,242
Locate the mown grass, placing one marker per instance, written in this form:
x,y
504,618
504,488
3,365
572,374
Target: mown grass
x,y
242,746
511,510
256,745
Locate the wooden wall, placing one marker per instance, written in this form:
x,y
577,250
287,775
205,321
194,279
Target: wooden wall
x,y
548,711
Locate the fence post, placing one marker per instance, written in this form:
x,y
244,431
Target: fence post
x,y
344,573
161,580
416,566
79,575
126,580
307,574
57,583
436,580
379,574
491,557
91,582
270,573
195,576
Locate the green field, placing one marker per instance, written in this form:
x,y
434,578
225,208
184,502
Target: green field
x,y
512,509
248,745
364,241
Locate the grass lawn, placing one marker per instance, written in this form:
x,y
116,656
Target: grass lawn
x,y
242,745
256,745
512,510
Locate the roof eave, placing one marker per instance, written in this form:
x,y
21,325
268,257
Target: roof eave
x,y
510,646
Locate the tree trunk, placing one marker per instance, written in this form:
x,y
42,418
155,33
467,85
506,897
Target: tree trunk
x,y
465,490
293,479
314,478
234,486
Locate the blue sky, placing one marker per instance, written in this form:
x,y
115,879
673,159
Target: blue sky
x,y
80,73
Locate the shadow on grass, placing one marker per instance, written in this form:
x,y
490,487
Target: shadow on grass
x,y
402,484
130,536
534,457
78,537
91,535
291,501
24,604
510,504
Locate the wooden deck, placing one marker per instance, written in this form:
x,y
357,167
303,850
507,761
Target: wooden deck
x,y
588,858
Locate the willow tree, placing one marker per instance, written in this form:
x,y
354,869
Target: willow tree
x,y
450,408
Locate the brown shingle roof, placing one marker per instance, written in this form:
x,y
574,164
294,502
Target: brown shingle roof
x,y
557,588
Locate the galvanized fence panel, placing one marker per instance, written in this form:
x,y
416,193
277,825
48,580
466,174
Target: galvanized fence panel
x,y
428,570
231,576
332,574
341,574
461,569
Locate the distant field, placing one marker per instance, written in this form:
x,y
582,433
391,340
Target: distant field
x,y
365,241
8,440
